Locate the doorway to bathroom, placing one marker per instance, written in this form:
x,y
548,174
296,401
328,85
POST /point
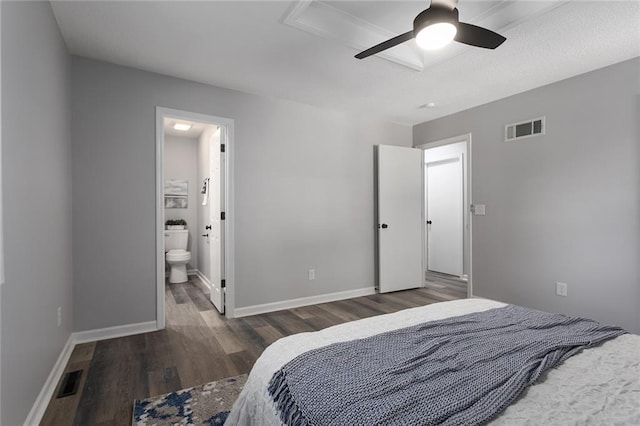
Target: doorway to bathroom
x,y
193,210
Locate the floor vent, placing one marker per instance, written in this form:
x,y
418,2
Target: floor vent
x,y
70,384
524,129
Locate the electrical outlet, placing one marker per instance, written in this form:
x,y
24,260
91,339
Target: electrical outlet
x,y
561,289
312,274
59,316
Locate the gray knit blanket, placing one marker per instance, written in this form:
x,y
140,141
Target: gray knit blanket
x,y
462,370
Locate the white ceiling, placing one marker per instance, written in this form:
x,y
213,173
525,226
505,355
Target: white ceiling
x,y
253,47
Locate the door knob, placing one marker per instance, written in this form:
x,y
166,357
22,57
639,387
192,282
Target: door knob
x,y
207,227
428,222
384,226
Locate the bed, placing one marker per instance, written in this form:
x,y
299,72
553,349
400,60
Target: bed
x,y
599,385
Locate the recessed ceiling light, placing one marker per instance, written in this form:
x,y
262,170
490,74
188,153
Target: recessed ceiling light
x,y
429,105
182,126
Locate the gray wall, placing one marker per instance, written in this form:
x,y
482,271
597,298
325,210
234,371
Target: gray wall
x,y
560,207
36,172
181,162
303,192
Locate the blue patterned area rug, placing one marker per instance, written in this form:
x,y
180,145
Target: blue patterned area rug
x,y
206,405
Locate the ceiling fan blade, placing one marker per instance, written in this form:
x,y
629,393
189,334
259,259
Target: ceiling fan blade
x,y
478,36
385,45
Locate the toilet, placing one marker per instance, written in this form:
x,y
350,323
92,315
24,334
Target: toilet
x,y
176,254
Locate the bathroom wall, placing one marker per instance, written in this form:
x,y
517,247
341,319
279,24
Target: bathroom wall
x,y
181,163
36,173
564,206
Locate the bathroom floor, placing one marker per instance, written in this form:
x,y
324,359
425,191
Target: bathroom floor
x,y
190,292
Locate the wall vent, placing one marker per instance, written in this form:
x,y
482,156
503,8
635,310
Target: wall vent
x,y
524,129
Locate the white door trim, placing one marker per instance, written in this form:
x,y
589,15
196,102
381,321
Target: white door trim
x,y
229,258
1,234
448,141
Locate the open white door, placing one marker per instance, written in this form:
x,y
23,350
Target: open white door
x,y
215,196
444,216
400,218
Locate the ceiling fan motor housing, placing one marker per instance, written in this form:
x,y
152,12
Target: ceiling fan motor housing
x,y
434,15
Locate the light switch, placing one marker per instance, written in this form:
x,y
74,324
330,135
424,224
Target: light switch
x,y
479,210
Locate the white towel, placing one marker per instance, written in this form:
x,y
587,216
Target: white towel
x,y
205,191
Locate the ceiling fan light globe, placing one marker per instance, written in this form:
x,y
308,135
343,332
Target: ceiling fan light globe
x,y
436,36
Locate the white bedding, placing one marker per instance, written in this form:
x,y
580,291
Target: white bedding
x,y
600,386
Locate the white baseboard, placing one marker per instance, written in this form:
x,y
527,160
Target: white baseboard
x,y
303,301
113,332
42,401
204,284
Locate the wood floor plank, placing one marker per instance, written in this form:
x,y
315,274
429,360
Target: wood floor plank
x,y
440,296
164,380
228,341
403,299
199,345
319,323
321,311
83,352
256,320
159,347
179,294
101,391
243,360
339,312
287,323
379,308
201,302
302,313
268,334
254,343
359,308
212,318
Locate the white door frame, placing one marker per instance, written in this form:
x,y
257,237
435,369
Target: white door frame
x,y
1,234
448,141
229,258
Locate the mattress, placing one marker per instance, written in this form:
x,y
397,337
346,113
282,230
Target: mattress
x,y
598,386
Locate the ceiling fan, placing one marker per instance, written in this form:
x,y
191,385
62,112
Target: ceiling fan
x,y
437,26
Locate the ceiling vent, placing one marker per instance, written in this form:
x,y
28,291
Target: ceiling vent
x,y
524,129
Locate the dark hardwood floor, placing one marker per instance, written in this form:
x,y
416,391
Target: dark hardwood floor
x,y
199,345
